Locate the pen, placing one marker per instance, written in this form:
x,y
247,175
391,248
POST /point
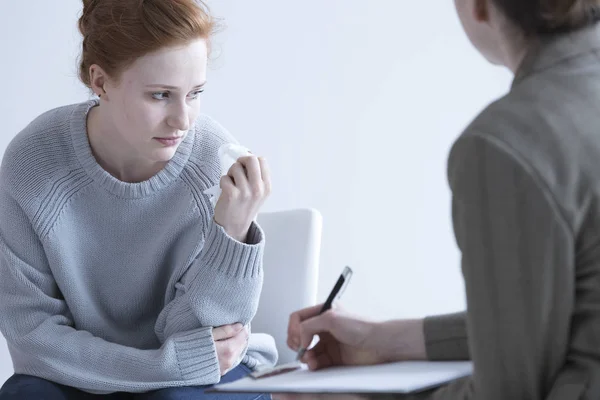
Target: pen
x,y
336,292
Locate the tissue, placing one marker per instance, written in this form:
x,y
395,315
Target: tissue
x,y
228,155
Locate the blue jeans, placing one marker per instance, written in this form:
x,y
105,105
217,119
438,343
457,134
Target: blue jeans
x,y
25,387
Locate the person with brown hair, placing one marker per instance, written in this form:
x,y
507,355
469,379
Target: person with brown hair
x,y
525,181
118,277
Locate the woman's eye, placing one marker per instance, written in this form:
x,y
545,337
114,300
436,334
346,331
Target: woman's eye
x,y
197,93
160,95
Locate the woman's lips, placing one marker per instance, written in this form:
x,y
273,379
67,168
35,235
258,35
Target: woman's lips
x,y
169,141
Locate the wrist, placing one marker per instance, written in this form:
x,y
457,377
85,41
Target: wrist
x,y
238,233
400,340
239,236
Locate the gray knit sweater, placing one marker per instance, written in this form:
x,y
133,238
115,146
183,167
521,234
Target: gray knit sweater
x,y
111,286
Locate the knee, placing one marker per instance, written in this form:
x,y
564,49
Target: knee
x,y
29,387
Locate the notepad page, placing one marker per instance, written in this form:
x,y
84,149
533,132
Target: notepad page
x,y
401,377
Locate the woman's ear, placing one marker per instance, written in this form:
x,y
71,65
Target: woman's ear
x,y
98,79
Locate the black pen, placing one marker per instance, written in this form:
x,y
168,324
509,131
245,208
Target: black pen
x,y
336,292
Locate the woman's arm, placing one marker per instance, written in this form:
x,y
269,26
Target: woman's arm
x,y
223,284
221,287
41,334
446,337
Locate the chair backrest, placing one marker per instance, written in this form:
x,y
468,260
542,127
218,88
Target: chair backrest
x,y
291,267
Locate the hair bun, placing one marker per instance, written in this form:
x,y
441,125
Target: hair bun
x,y
566,15
550,16
88,3
88,9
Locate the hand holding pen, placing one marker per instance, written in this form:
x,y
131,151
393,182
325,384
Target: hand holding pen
x,y
345,339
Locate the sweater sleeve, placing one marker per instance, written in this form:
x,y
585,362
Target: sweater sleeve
x,y
222,286
44,341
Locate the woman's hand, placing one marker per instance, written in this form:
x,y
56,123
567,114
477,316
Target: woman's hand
x,y
243,191
345,339
230,342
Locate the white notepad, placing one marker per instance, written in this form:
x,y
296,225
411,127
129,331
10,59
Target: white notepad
x,y
401,377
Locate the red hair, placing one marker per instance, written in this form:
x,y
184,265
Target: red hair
x,y
117,32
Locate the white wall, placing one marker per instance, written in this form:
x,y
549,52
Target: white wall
x,y
355,104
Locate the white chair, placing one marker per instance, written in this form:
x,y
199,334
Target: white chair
x,y
291,267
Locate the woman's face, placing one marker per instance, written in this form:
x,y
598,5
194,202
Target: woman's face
x,y
479,19
157,100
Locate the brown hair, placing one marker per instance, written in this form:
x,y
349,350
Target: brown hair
x,y
117,32
536,17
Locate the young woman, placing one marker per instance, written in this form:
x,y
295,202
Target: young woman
x,y
117,275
